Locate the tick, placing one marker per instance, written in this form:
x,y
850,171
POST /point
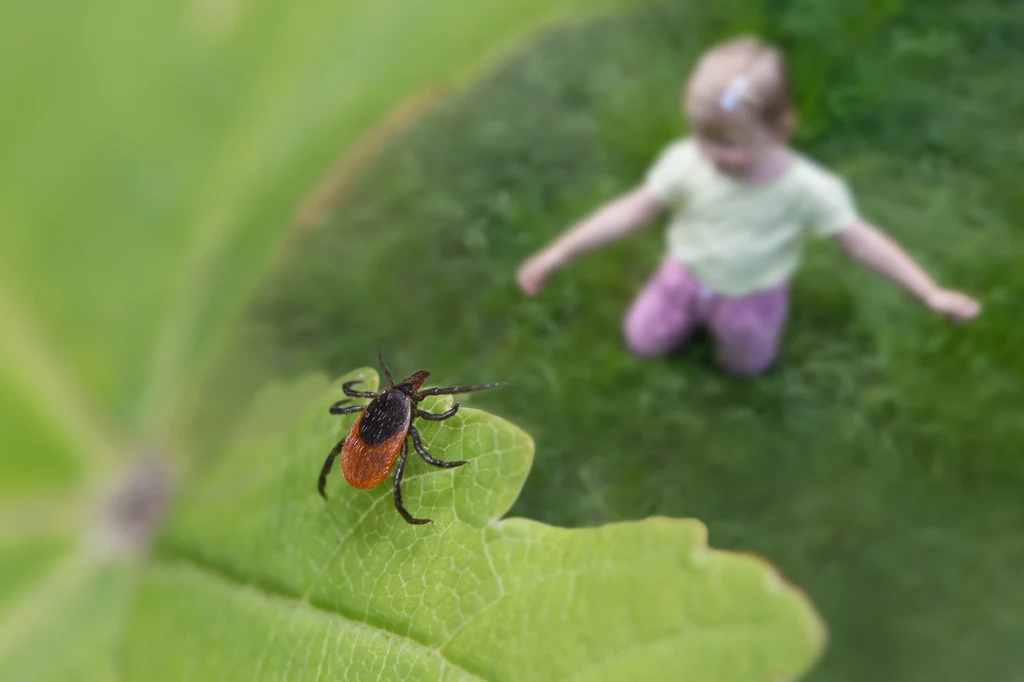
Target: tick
x,y
379,435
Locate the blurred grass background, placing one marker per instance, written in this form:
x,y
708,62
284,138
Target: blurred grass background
x,y
880,466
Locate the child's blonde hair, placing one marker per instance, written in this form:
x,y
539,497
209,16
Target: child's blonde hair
x,y
738,83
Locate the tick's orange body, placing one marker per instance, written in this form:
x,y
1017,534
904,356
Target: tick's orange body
x,y
377,438
365,465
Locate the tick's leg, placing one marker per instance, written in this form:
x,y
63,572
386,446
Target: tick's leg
x,y
436,417
387,372
328,463
426,455
337,408
399,470
452,390
356,394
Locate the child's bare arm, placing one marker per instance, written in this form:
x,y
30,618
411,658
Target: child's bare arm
x,y
869,245
612,221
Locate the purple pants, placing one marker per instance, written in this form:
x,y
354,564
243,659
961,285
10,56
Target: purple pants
x,y
746,329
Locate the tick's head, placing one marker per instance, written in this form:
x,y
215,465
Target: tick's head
x,y
412,383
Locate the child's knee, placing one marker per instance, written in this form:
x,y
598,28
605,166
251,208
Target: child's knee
x,y
658,319
641,339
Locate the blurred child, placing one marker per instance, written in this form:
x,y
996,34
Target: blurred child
x,y
742,204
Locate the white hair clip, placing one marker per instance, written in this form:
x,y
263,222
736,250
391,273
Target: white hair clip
x,y
734,93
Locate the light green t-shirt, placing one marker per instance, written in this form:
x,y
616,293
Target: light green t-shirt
x,y
737,237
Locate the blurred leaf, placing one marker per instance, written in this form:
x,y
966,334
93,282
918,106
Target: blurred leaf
x,y
256,578
69,625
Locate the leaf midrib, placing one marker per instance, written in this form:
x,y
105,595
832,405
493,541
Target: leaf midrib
x,y
51,388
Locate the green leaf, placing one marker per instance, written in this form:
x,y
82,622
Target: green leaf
x,y
154,155
257,578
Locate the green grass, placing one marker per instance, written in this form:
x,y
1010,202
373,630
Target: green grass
x,y
880,466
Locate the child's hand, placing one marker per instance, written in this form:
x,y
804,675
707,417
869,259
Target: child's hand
x,y
954,304
536,269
